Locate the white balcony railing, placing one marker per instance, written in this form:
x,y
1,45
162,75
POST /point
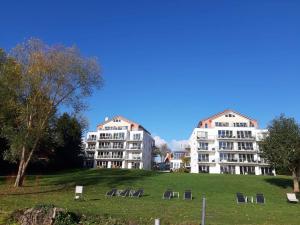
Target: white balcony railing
x,y
110,157
133,157
206,138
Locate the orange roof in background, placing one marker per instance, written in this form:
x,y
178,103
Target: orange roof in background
x,y
123,118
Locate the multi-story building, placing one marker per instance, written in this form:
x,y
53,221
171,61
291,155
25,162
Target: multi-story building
x,y
119,143
228,143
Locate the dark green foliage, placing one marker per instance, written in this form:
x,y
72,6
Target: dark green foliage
x,y
281,147
68,143
66,218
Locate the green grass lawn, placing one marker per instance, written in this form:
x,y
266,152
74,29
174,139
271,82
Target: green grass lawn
x,y
219,190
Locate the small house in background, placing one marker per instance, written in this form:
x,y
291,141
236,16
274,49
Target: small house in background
x,y
179,159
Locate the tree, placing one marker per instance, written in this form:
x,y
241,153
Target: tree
x,y
281,147
43,79
186,159
68,143
162,151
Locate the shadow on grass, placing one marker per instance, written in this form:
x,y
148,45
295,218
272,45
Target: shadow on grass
x,y
112,178
30,192
280,182
108,177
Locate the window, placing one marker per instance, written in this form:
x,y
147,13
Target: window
x,y
135,165
247,169
227,157
244,134
228,169
203,169
225,145
266,171
92,137
136,156
136,137
206,126
202,135
229,115
116,164
225,133
246,158
245,146
104,145
221,124
203,157
118,145
240,124
118,136
102,164
104,155
135,146
105,136
203,146
117,155
91,146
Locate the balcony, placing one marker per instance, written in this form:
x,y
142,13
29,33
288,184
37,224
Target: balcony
x,y
238,161
238,138
206,138
90,149
135,148
135,139
91,140
250,138
206,149
89,156
133,158
228,160
206,161
111,147
111,138
110,157
241,150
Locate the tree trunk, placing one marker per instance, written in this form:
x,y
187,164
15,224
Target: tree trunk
x,y
296,181
20,175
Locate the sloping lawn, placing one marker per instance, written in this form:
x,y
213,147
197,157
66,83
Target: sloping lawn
x,y
219,191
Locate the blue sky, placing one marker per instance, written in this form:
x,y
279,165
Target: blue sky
x,y
167,64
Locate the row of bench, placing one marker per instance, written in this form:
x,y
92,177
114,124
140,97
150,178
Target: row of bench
x,y
260,198
125,193
187,195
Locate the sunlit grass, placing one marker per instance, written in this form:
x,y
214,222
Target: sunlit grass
x,y
219,190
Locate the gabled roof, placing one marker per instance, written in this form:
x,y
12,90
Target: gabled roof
x,y
127,120
223,113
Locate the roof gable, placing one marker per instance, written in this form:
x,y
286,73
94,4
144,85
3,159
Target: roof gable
x,y
230,113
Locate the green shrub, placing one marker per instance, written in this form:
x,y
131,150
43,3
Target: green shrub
x,y
66,218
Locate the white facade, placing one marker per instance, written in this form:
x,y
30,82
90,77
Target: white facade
x,y
119,143
176,160
227,143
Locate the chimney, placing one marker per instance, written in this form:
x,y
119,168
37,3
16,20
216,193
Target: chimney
x,y
106,119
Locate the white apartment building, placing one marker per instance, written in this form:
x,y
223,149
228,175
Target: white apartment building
x,y
119,143
227,143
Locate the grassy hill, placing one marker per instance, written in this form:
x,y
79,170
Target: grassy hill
x,y
219,190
